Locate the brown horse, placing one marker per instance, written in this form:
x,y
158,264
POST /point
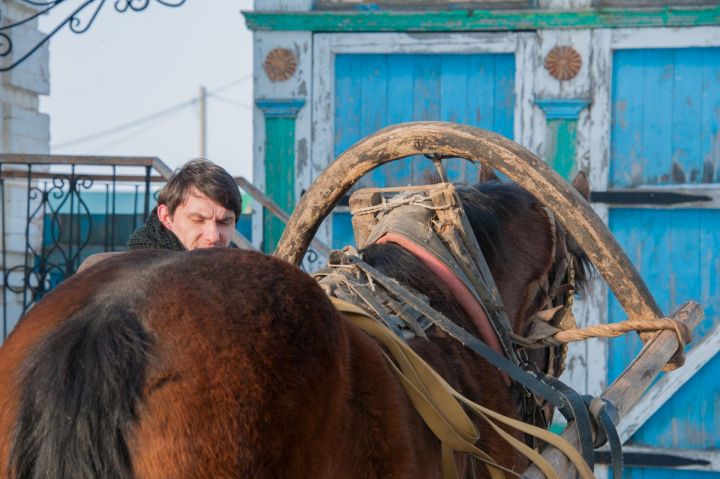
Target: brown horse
x,y
229,363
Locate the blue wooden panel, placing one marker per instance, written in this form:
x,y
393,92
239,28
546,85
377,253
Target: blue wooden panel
x,y
372,74
710,145
400,93
676,252
376,90
426,105
342,233
347,104
665,121
665,130
687,114
454,92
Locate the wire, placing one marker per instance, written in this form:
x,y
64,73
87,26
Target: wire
x,y
231,102
144,128
148,118
231,84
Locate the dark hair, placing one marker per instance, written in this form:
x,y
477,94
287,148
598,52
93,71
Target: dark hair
x,y
206,177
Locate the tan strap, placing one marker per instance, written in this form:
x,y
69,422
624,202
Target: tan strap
x,y
440,406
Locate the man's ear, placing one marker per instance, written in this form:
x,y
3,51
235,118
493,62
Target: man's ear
x,y
164,216
581,184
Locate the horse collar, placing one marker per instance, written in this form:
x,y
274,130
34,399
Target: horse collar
x,y
469,303
429,223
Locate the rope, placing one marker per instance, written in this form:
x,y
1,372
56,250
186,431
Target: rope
x,y
399,200
618,329
558,336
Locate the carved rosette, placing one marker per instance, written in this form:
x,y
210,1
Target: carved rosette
x,y
280,64
563,62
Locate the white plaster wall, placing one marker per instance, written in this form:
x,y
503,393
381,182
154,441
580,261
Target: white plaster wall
x,y
23,129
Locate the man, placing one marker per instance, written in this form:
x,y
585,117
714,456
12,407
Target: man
x,y
197,208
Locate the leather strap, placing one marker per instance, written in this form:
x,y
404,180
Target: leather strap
x,y
440,407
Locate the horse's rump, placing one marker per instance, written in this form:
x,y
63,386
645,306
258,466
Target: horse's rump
x,y
172,355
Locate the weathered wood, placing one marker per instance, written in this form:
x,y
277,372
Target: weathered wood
x,y
478,20
420,4
473,144
663,390
275,209
631,384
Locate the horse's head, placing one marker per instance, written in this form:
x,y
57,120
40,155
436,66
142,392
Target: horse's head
x,y
521,241
525,248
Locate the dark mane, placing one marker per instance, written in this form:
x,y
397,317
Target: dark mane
x,y
506,199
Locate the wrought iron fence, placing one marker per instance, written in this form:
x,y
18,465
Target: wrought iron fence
x,y
58,210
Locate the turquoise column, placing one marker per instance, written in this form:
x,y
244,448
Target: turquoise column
x,y
280,115
562,117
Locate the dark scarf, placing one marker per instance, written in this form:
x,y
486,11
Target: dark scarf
x,y
153,235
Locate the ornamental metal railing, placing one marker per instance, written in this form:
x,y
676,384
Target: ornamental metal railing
x,y
58,210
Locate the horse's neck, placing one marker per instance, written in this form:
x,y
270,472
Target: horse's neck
x,y
405,268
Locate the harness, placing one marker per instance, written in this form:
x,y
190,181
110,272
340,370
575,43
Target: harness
x,y
430,223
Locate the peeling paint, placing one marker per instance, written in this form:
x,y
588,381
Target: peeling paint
x,y
621,108
677,174
302,155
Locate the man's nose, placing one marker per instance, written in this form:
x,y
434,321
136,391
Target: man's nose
x,y
212,232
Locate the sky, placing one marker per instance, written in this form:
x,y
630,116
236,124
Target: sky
x,y
126,86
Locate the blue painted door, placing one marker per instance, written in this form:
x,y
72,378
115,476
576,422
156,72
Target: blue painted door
x,y
666,132
374,91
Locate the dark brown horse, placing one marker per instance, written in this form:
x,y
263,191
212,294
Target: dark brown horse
x,y
228,363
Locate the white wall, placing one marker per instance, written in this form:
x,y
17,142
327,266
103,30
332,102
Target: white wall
x,y
23,129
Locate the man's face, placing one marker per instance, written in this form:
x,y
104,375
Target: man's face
x,y
199,222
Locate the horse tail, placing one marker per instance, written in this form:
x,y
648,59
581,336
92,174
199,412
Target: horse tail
x,y
79,395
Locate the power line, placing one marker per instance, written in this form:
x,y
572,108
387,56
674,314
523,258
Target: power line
x,y
125,126
231,102
142,120
133,132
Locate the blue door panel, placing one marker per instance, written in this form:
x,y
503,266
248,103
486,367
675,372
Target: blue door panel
x,y
665,117
665,131
376,90
670,250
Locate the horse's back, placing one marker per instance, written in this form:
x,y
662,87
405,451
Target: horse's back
x,y
201,354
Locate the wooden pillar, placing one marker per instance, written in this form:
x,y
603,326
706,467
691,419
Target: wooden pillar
x,y
562,117
279,162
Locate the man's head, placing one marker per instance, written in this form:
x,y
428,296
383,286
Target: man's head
x,y
200,204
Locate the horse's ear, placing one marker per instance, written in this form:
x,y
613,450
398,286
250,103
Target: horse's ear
x,y
486,173
581,184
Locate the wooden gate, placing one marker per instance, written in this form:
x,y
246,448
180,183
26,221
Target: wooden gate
x,y
665,145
